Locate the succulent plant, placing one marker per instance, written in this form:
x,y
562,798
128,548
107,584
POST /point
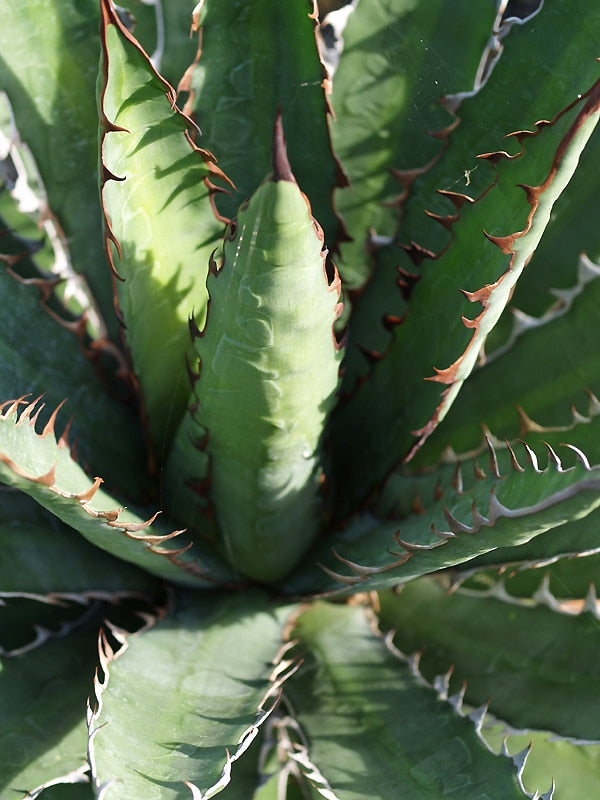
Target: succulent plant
x,y
299,379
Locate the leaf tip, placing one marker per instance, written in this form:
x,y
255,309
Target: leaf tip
x,y
281,165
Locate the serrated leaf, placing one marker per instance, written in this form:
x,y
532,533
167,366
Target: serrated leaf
x,y
554,267
52,363
575,768
543,675
493,231
471,510
155,183
42,467
48,67
267,377
392,53
222,653
578,536
548,353
259,56
43,695
367,716
58,559
566,585
419,235
163,30
43,692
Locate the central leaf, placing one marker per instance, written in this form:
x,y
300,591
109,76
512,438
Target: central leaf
x,y
269,365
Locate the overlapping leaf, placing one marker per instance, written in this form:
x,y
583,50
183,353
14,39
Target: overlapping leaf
x,y
43,732
494,227
366,716
160,224
52,363
554,266
548,352
59,559
266,382
42,467
43,738
452,516
224,655
48,62
541,678
399,60
259,56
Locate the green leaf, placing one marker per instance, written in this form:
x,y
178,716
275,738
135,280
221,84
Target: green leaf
x,y
267,378
456,515
48,62
222,654
43,695
574,768
43,692
52,363
393,53
163,30
160,224
58,559
42,467
566,585
543,675
417,393
524,52
575,537
549,353
553,269
259,56
367,716
465,280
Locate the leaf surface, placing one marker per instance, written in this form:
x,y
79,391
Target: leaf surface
x,y
160,225
541,677
397,63
52,363
222,654
558,366
574,537
574,768
43,694
42,467
554,267
259,56
451,517
266,381
43,689
58,559
487,234
366,715
48,66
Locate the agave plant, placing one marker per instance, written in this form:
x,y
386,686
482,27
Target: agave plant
x,y
299,378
